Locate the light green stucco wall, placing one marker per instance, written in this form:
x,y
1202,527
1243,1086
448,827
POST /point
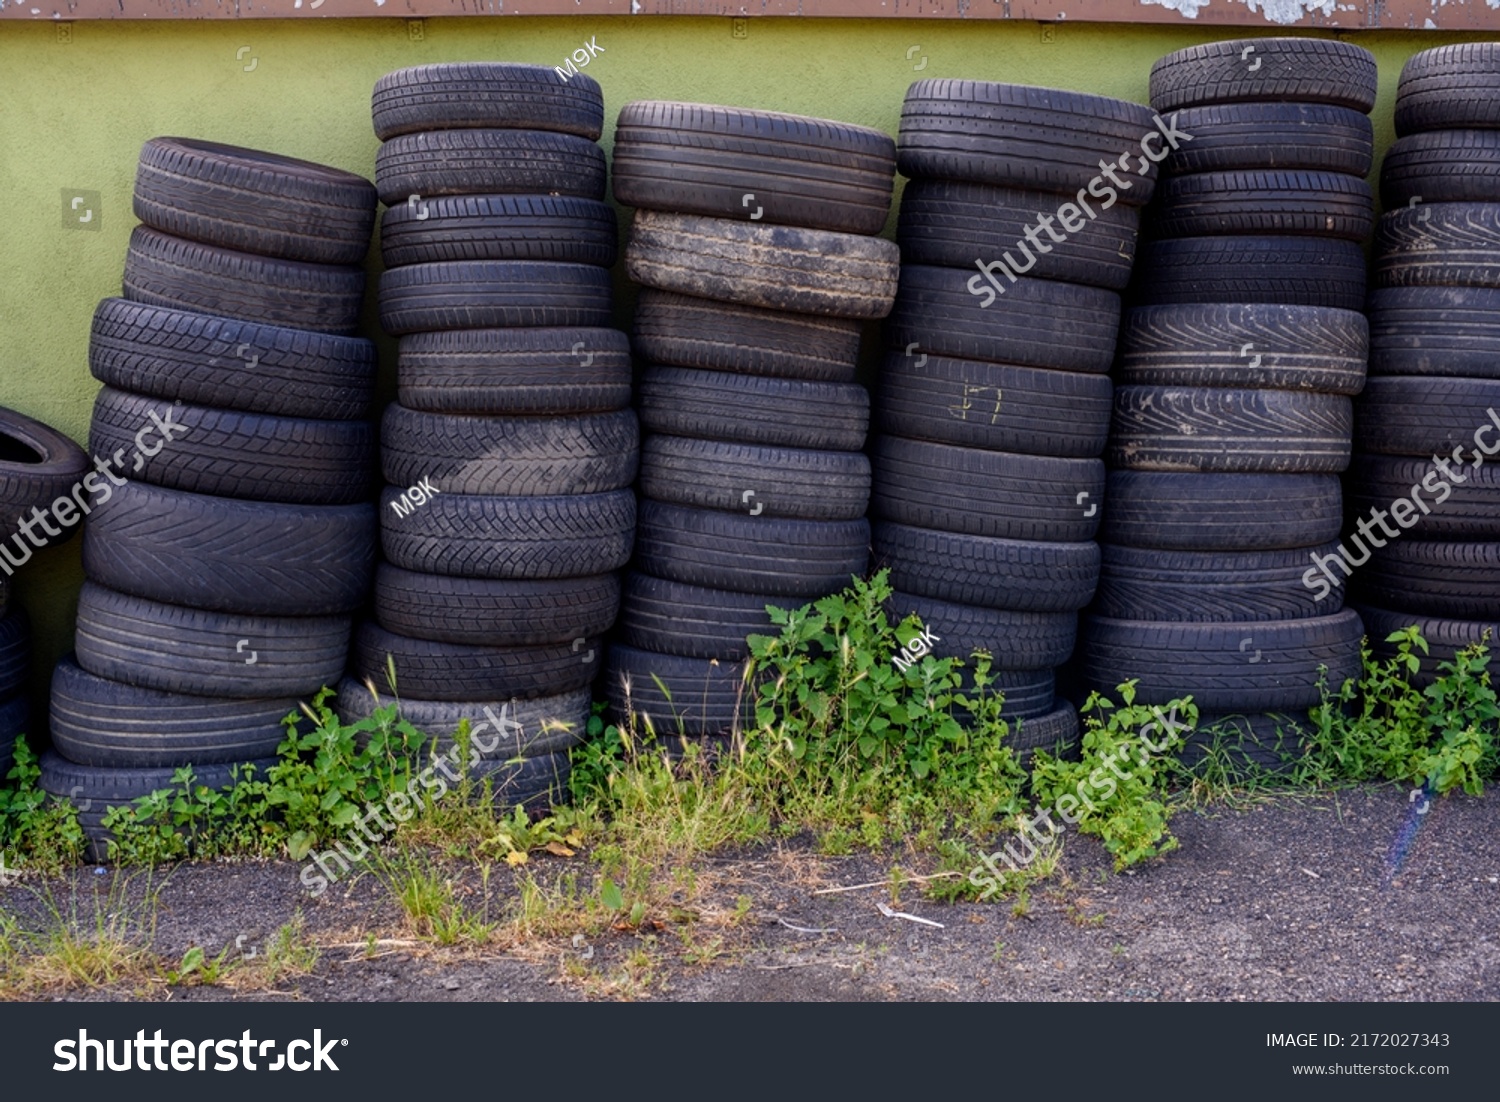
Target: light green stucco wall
x,y
73,116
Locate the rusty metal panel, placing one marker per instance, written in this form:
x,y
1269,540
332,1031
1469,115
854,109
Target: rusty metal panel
x,y
1269,15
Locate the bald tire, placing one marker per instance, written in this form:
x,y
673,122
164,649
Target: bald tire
x,y
429,670
798,483
687,331
1034,323
773,267
110,724
1217,664
1221,512
515,371
781,558
752,409
997,407
528,728
494,612
1021,575
187,650
674,695
985,493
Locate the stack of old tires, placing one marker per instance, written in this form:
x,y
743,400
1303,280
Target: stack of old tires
x,y
753,238
994,401
40,473
231,535
1430,416
1233,410
511,450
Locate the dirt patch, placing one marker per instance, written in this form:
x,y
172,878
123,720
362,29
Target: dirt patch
x,y
1346,896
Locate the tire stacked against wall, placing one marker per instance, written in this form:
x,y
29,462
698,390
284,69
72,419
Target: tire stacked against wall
x,y
994,401
230,534
510,452
754,241
1427,550
40,472
1233,409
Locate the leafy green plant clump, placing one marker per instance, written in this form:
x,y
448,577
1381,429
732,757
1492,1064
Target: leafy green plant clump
x,y
1443,737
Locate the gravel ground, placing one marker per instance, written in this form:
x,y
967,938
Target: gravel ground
x,y
1352,895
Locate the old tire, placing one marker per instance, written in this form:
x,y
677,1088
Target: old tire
x,y
515,371
161,270
1035,323
755,479
774,267
486,294
1266,345
494,612
766,555
186,650
234,365
686,331
195,550
519,456
490,536
1221,512
412,167
985,493
1252,666
693,158
113,725
254,201
226,453
470,94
